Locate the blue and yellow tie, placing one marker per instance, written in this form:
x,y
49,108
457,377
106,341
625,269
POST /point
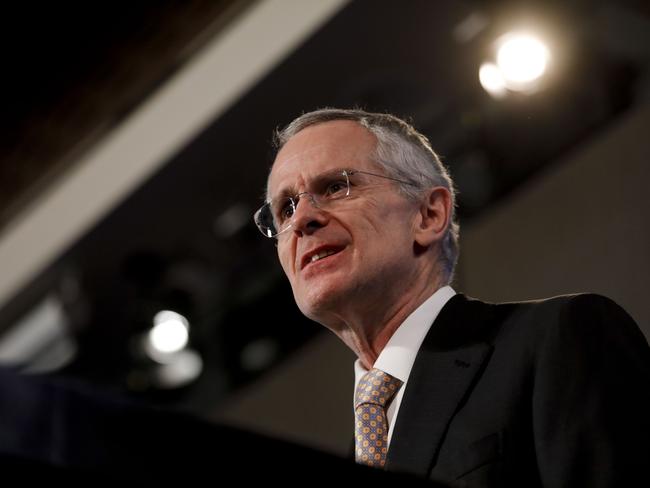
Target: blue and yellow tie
x,y
374,393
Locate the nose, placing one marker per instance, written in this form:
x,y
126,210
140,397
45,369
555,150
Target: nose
x,y
308,217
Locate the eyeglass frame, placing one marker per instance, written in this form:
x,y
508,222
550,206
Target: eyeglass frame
x,y
295,200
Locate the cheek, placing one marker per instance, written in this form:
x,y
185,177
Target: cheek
x,y
283,257
387,221
387,240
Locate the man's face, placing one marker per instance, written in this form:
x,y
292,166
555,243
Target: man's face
x,y
370,233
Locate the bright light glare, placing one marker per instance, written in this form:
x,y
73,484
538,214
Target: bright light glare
x,y
521,59
170,332
492,80
184,368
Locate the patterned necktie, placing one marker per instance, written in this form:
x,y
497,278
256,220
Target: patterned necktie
x,y
374,393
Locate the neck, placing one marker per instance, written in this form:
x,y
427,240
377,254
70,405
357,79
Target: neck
x,y
367,330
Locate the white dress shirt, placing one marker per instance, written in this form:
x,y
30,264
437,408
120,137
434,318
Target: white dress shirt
x,y
398,355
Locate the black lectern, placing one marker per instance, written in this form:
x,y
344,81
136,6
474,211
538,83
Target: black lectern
x,y
55,430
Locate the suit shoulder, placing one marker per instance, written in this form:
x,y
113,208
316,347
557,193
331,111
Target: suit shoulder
x,y
577,307
574,314
571,305
588,318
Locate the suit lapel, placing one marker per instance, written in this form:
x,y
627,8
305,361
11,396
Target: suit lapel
x,y
443,373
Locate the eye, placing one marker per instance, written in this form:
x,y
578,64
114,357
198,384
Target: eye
x,y
336,188
285,210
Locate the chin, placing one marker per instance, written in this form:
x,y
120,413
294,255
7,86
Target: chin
x,y
318,304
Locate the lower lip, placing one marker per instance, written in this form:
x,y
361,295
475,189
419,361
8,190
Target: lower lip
x,y
322,264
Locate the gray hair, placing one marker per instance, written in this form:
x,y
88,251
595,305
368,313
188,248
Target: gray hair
x,y
404,153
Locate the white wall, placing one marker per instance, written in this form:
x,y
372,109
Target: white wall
x,y
287,404
582,226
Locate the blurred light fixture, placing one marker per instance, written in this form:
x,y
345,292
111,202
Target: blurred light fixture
x,y
174,363
492,80
259,354
522,59
231,221
185,367
169,335
521,62
470,27
40,342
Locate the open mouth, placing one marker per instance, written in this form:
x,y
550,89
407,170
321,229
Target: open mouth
x,y
319,254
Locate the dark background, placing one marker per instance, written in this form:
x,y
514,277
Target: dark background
x,y
185,239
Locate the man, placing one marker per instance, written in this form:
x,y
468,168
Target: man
x,y
547,393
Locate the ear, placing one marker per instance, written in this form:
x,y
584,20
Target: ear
x,y
433,217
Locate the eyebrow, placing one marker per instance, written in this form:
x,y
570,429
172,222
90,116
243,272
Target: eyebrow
x,y
284,192
291,190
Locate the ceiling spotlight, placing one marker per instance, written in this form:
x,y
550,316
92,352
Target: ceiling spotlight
x,y
521,58
521,62
169,334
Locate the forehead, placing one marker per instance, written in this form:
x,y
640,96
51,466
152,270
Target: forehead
x,y
318,148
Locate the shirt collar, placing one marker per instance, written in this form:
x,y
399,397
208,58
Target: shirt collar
x,y
399,354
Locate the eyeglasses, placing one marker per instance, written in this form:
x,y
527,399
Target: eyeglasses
x,y
276,216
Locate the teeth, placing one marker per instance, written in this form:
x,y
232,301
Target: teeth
x,y
321,255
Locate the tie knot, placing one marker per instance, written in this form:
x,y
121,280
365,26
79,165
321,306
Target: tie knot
x,y
376,387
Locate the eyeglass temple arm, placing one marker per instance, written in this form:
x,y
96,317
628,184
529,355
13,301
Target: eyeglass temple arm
x,y
353,171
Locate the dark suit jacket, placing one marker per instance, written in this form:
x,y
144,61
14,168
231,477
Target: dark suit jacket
x,y
549,393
